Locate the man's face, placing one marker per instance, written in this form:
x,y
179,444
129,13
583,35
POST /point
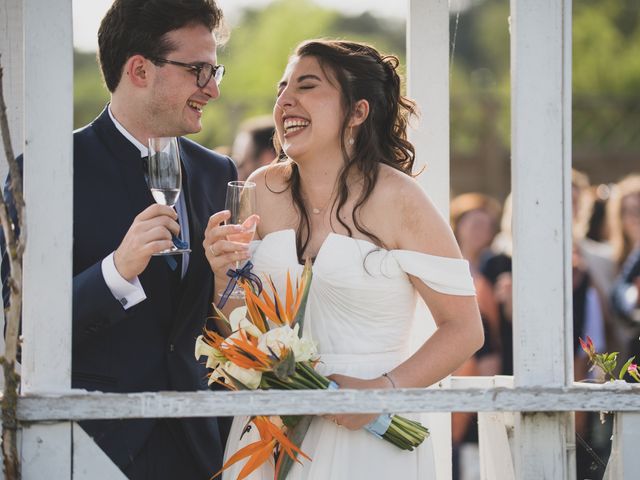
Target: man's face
x,y
175,101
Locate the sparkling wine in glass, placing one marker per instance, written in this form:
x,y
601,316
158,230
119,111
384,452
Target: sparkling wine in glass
x,y
165,180
241,202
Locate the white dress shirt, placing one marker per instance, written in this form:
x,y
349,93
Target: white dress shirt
x,y
132,293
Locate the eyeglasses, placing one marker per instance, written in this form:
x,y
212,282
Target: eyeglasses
x,y
204,71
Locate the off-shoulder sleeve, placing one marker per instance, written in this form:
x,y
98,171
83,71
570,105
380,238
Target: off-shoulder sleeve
x,y
445,275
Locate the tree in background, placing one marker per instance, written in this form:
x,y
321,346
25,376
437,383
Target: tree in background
x,y
606,81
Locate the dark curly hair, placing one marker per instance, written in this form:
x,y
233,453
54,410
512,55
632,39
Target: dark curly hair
x,y
139,27
362,73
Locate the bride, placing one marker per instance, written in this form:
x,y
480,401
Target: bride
x,y
342,195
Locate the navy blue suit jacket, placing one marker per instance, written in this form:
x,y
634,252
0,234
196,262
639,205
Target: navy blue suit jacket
x,y
150,346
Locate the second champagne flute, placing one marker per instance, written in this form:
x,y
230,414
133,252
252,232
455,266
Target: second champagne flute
x,y
241,202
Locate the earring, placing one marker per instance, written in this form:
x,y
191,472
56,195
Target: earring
x,y
351,141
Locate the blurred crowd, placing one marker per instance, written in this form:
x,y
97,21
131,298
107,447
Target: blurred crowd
x,y
606,281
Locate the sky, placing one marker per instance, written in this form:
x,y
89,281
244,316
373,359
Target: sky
x,y
88,13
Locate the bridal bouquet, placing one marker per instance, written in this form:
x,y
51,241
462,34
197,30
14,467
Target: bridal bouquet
x,y
266,351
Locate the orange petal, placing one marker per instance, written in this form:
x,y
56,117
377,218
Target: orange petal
x,y
256,460
289,298
267,306
242,453
254,313
279,307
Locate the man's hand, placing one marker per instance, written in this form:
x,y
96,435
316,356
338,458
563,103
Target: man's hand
x,y
149,233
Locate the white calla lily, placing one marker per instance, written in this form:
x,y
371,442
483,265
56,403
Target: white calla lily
x,y
238,320
249,377
236,316
203,348
286,336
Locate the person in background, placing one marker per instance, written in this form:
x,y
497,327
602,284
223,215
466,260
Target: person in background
x,y
624,215
496,269
593,273
598,225
474,218
253,146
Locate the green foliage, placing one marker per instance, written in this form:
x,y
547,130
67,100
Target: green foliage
x,y
89,93
606,75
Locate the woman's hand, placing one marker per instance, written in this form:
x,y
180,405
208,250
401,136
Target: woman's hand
x,y
355,421
221,253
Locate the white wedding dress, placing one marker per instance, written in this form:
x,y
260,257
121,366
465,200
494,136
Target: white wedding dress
x,y
360,313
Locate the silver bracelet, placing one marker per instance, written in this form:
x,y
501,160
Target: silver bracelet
x,y
388,377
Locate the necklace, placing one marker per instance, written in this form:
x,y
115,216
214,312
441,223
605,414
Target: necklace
x,y
317,211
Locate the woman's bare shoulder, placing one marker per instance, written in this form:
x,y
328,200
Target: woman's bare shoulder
x,y
274,205
272,177
416,222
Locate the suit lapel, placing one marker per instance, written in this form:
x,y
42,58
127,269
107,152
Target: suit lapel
x,y
127,157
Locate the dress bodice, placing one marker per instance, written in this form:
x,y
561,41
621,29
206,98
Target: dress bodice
x,y
361,299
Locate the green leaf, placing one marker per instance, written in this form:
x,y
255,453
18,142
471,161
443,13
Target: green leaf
x,y
219,315
625,367
286,367
296,435
237,383
290,421
307,275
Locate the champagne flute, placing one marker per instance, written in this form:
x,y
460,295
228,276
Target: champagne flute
x,y
165,181
241,202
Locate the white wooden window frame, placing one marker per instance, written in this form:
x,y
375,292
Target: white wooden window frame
x,y
544,393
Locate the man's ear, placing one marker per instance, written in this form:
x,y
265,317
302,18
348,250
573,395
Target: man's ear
x,y
360,113
137,69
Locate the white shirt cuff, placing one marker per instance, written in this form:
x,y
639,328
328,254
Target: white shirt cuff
x,y
127,293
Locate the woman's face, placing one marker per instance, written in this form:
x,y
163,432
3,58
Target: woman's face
x,y
308,112
630,215
475,230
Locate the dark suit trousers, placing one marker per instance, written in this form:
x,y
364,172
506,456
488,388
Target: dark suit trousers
x,y
165,456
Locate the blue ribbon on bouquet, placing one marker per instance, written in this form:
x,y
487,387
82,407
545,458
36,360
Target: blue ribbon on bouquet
x,y
379,426
234,276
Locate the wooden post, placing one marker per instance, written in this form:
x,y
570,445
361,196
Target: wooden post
x,y
48,188
541,160
624,462
428,85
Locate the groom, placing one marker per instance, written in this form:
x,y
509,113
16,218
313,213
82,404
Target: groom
x,y
136,316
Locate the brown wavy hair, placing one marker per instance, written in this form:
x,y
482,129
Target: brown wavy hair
x,y
362,73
